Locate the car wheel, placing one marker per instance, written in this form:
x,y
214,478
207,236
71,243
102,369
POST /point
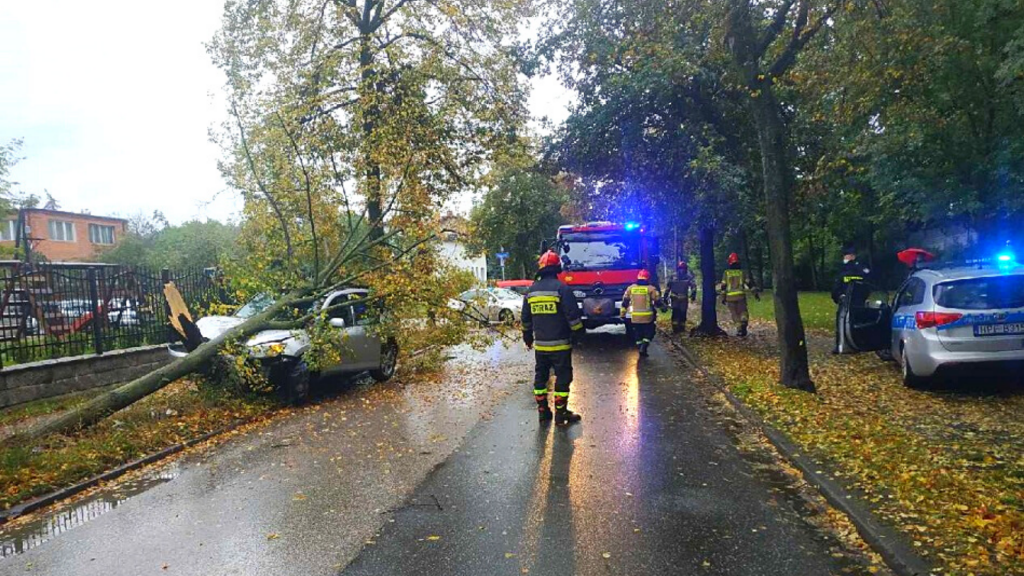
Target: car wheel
x,y
296,383
506,317
388,362
910,379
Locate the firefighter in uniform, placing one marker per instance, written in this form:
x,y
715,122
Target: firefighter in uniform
x,y
639,302
851,272
551,321
733,288
684,285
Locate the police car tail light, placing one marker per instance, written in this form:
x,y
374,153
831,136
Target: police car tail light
x,y
932,319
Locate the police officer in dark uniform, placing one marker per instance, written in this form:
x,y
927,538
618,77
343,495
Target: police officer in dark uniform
x,y
852,272
551,322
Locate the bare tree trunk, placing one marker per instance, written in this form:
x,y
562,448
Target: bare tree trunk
x,y
709,298
127,394
795,372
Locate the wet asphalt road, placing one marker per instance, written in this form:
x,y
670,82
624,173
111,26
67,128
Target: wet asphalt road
x,y
298,496
647,484
457,477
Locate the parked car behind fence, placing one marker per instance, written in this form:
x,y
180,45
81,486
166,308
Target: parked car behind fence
x,y
54,310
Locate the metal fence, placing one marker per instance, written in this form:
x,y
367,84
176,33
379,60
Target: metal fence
x,y
57,310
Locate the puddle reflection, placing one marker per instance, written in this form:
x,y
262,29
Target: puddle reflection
x,y
24,537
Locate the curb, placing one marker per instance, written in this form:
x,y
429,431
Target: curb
x,y
47,499
890,544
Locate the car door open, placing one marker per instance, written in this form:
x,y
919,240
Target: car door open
x,y
867,320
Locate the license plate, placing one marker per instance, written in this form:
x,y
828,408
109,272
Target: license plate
x,y
1009,329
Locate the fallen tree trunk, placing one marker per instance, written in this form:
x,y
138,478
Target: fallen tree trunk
x,y
127,394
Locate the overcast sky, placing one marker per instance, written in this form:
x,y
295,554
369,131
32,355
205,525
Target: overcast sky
x,y
114,100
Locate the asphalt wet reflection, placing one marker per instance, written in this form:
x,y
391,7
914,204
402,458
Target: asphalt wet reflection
x,y
301,495
39,530
452,476
648,483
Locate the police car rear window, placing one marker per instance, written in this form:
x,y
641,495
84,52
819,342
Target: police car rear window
x,y
995,292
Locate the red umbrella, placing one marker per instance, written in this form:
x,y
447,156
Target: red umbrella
x,y
911,256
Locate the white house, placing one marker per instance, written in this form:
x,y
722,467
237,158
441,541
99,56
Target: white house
x,y
454,250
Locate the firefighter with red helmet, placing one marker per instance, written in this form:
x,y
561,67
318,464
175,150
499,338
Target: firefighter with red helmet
x,y
682,286
639,302
551,322
733,288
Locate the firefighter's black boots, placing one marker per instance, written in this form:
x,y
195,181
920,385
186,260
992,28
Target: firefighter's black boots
x,y
563,416
543,410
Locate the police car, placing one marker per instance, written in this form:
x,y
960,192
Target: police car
x,y
968,314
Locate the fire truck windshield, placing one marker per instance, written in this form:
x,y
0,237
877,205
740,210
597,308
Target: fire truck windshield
x,y
594,251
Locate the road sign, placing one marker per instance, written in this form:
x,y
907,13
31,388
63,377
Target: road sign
x,y
502,256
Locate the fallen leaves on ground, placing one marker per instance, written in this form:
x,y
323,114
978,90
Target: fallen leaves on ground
x,y
142,429
944,466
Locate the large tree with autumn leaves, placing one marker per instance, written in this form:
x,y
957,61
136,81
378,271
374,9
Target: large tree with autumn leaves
x,y
351,123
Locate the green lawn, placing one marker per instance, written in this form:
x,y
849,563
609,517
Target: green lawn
x,y
816,308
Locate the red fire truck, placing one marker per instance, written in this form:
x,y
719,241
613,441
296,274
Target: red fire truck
x,y
600,260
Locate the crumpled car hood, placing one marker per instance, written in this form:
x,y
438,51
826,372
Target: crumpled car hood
x,y
295,341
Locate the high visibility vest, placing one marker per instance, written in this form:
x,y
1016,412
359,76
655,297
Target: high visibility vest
x,y
733,281
641,301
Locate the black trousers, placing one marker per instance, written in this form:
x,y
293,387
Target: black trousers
x,y
643,332
840,343
561,363
679,315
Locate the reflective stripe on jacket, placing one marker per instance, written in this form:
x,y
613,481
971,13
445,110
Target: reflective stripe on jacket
x,y
733,281
639,301
551,314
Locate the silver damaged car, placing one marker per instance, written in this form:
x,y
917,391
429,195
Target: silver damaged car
x,y
281,352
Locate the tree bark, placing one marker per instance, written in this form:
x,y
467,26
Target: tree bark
x,y
372,171
709,298
778,185
127,394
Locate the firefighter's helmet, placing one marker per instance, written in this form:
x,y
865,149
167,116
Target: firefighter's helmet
x,y
682,265
733,258
643,275
547,259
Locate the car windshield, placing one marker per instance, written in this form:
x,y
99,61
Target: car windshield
x,y
258,304
993,292
505,294
601,251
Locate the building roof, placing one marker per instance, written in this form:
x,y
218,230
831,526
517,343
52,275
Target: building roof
x,y
73,214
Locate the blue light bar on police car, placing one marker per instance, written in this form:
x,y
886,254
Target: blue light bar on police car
x,y
632,225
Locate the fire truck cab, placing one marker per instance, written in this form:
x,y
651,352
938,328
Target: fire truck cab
x,y
600,260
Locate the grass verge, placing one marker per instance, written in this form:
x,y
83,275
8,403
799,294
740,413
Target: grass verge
x,y
176,414
944,466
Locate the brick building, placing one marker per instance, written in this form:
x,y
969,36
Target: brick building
x,y
64,236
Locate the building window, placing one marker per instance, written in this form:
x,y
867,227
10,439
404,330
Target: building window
x,y
62,231
101,234
9,231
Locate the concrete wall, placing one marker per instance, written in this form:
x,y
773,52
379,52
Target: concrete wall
x,y
37,380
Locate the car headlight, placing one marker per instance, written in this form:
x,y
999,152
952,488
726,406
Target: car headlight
x,y
269,350
579,293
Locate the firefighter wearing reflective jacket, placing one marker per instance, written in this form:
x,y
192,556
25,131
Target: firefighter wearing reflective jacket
x,y
684,285
733,289
551,322
639,302
852,272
